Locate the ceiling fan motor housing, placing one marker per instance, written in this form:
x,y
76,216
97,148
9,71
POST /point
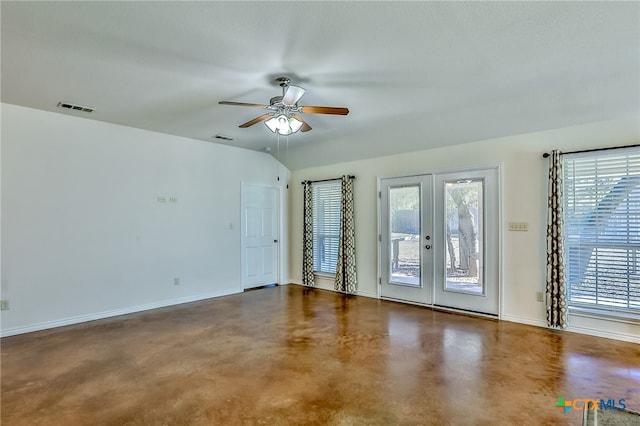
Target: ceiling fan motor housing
x,y
282,81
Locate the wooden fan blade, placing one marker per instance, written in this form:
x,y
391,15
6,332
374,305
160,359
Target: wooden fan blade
x,y
324,110
255,120
243,104
305,126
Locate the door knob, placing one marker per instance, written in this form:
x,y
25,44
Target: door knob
x,y
428,237
275,241
428,246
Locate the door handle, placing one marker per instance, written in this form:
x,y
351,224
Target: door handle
x,y
428,246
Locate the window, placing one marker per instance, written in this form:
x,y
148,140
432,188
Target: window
x,y
326,225
602,229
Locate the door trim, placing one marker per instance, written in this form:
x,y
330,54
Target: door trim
x,y
500,237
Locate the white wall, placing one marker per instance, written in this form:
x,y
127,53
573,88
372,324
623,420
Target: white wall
x,y
83,233
524,175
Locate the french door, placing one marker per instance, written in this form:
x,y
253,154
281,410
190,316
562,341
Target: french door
x,y
407,272
439,242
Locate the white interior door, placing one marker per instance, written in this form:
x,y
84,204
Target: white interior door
x,y
260,234
406,233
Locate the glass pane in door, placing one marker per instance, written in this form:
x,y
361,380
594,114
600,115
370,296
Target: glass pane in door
x,y
404,235
464,236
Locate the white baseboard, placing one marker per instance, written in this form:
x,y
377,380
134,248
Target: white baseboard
x,y
107,314
367,294
329,287
616,335
523,320
608,334
627,337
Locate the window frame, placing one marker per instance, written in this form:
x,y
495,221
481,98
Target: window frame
x,y
601,273
323,219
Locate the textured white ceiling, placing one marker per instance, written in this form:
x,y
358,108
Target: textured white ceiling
x,y
414,74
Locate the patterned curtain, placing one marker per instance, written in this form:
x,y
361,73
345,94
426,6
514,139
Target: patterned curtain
x,y
346,280
307,236
556,285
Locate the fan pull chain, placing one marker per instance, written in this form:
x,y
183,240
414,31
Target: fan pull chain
x,y
278,155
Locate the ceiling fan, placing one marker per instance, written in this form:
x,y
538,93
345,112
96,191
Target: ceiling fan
x,y
283,116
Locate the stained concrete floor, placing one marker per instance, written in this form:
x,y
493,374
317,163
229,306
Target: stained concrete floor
x,y
296,356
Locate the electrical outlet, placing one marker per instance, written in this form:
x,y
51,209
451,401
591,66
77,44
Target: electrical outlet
x,y
539,297
518,226
176,281
4,305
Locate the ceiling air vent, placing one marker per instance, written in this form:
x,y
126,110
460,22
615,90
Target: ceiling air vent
x,y
223,137
75,107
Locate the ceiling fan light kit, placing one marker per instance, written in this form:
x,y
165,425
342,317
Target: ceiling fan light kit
x,y
283,124
283,117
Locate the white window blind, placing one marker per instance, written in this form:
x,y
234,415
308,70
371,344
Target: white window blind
x,y
326,225
602,229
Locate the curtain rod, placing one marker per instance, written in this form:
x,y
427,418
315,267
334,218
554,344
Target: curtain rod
x,y
546,154
324,180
